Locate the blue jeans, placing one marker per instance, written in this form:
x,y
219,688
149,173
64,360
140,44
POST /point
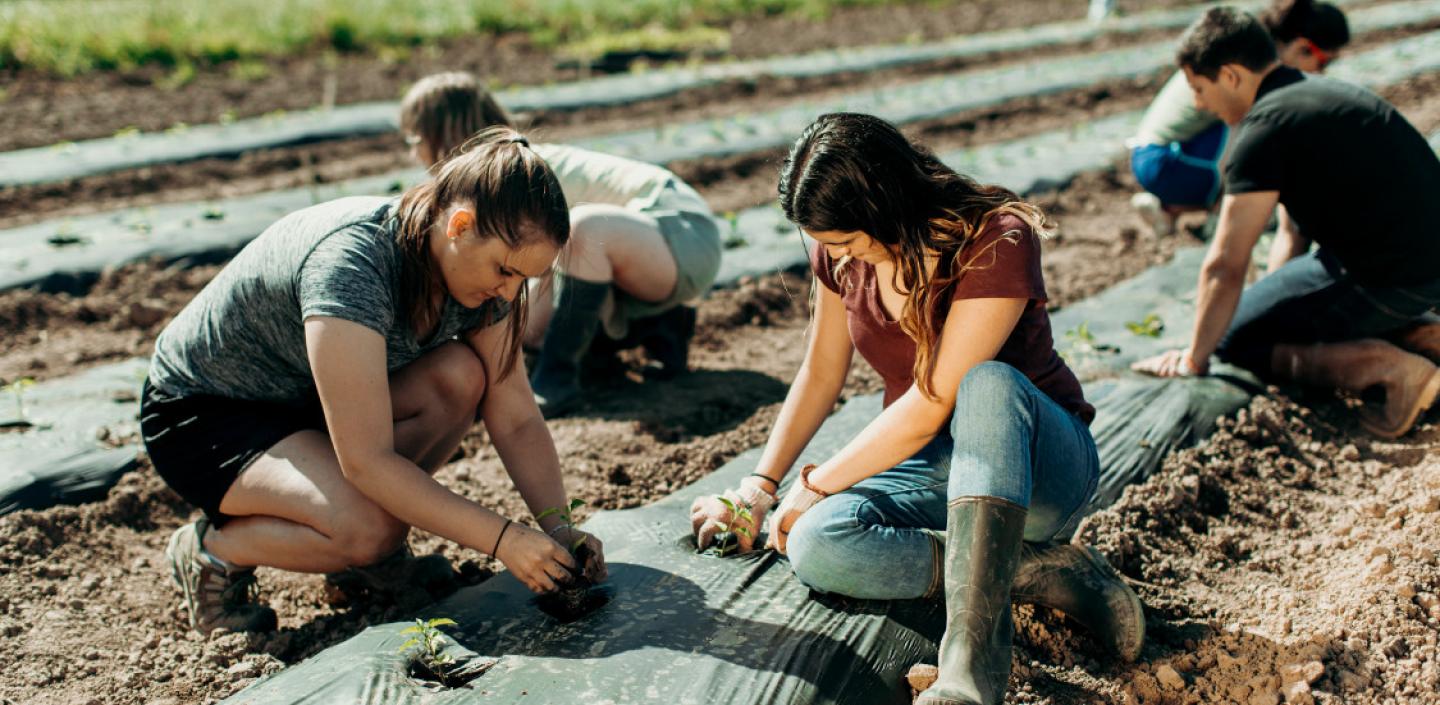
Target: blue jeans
x,y
880,539
1312,300
1182,173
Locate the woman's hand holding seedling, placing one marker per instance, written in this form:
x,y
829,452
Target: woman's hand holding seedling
x,y
594,567
739,512
537,560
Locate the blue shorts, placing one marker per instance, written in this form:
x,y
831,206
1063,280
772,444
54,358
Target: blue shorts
x,y
1183,173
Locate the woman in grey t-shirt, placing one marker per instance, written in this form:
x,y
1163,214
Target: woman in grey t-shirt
x,y
303,399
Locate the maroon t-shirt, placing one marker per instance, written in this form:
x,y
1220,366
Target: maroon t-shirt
x,y
1005,264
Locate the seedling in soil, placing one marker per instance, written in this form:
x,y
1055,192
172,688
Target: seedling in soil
x,y
728,540
428,647
577,596
18,388
1150,327
1082,342
735,238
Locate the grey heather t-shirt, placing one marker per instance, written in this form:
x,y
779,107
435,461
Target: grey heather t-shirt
x,y
243,336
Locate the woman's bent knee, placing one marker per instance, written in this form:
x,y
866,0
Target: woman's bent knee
x,y
367,542
458,378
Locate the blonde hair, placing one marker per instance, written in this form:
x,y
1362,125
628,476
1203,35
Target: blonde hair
x,y
446,109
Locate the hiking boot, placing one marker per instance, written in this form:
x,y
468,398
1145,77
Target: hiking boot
x,y
1078,581
402,578
1410,382
982,549
556,380
216,595
1421,337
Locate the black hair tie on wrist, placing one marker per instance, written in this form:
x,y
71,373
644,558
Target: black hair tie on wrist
x,y
501,537
763,476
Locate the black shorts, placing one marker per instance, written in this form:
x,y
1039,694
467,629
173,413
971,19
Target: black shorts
x,y
199,444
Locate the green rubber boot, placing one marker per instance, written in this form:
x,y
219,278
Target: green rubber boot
x,y
556,380
983,536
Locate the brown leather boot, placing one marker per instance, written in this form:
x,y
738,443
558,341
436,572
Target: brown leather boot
x,y
1421,337
1410,381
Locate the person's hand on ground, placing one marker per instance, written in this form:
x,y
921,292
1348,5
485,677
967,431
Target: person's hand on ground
x,y
709,516
1174,363
798,500
537,560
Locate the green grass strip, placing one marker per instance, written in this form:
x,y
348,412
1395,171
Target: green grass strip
x,y
71,37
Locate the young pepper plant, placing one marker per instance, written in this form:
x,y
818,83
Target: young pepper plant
x,y
567,515
739,525
429,644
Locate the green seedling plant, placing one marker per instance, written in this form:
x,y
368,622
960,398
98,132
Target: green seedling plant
x,y
567,515
1150,327
17,388
428,645
728,540
735,238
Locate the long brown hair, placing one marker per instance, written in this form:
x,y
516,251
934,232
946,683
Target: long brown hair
x,y
516,198
853,172
446,109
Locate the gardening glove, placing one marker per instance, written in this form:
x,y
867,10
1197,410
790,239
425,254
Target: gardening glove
x,y
710,516
1173,363
594,568
537,560
801,497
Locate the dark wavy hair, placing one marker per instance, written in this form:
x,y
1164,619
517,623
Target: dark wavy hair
x,y
516,198
1320,22
854,172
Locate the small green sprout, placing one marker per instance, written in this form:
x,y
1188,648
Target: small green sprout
x,y
228,116
213,213
1081,334
18,388
429,645
1150,327
727,541
127,133
735,238
178,128
567,515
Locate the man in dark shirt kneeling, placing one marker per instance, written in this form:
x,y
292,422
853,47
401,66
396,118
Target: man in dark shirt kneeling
x,y
1358,180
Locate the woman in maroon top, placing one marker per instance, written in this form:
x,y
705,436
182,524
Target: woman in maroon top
x,y
982,459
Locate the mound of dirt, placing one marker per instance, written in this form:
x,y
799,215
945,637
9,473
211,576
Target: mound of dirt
x,y
1285,560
